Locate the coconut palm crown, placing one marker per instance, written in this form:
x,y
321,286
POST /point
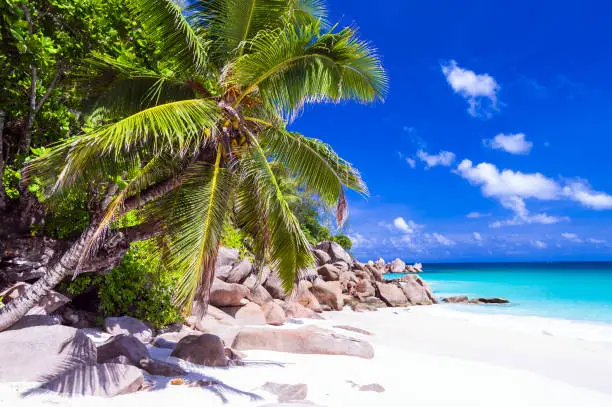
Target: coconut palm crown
x,y
204,125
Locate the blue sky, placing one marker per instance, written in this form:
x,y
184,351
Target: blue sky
x,y
493,143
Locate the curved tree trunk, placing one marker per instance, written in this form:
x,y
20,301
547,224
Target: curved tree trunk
x,y
20,306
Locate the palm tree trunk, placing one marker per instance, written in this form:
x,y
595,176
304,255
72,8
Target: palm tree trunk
x,y
20,306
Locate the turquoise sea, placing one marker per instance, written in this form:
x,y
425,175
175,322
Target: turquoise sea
x,y
575,291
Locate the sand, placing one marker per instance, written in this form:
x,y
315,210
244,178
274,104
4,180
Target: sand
x,y
434,356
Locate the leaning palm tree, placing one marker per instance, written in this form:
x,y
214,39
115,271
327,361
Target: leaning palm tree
x,y
191,139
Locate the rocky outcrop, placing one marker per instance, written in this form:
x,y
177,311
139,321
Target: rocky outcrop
x,y
128,326
239,272
250,314
29,354
391,294
416,290
308,340
329,272
274,313
274,286
224,294
206,350
335,252
397,266
328,293
225,261
321,257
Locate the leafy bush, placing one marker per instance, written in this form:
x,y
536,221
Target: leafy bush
x,y
235,239
10,182
139,287
343,241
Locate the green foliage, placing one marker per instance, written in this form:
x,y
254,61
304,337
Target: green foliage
x,y
236,239
10,182
343,241
139,287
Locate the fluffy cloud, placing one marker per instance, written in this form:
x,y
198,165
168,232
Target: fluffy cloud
x,y
480,90
580,191
411,162
596,241
572,237
439,239
444,158
511,143
360,241
477,236
539,244
406,227
476,215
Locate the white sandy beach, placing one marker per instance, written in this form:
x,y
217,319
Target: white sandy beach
x,y
432,356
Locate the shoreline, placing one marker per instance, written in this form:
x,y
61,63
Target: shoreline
x,y
422,354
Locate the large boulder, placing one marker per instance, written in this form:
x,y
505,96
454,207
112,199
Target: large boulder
x,y
219,323
169,340
335,251
457,299
416,290
206,349
105,380
225,261
224,294
125,345
328,293
250,314
257,292
128,326
307,340
294,309
321,257
397,266
364,288
28,321
28,354
239,272
274,313
376,272
391,294
274,286
329,272
46,306
305,297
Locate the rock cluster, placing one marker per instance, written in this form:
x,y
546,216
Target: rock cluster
x,y
397,266
463,299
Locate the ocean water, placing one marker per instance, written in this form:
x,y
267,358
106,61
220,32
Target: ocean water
x,y
572,291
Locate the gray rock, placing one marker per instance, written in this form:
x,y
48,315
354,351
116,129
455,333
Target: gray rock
x,y
391,294
274,313
249,314
374,302
128,326
329,272
304,296
105,380
226,257
458,299
274,286
416,290
335,251
239,272
397,266
305,340
224,294
206,349
130,347
160,368
321,257
372,387
287,392
258,294
328,293
28,354
365,288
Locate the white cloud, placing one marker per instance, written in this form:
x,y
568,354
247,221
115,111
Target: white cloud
x,y
508,183
511,143
360,241
580,191
596,241
572,237
440,239
539,244
406,227
477,236
480,90
444,158
411,162
476,215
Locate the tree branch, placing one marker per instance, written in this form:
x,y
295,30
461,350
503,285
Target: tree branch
x,y
50,88
150,194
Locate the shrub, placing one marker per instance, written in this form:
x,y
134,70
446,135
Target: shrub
x,y
343,241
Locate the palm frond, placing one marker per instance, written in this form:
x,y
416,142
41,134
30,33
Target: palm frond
x,y
179,41
174,128
315,166
299,65
289,250
193,218
232,24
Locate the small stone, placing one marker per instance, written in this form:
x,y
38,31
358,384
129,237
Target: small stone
x,y
372,387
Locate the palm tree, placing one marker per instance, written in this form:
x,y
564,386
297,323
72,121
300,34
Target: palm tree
x,y
193,137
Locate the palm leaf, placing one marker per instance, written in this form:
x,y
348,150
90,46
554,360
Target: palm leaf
x,y
289,250
298,65
167,26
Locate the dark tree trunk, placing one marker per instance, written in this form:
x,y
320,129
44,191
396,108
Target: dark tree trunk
x,y
2,193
